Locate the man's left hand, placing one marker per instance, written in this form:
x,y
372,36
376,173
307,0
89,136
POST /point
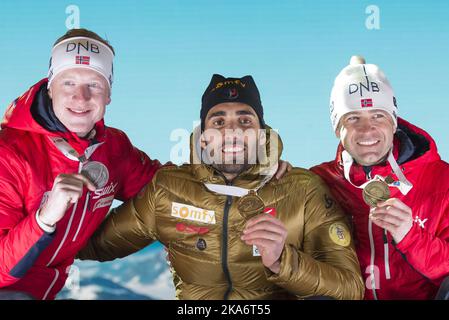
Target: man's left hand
x,y
394,216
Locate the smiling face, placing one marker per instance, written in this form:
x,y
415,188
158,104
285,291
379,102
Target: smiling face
x,y
231,133
79,99
367,135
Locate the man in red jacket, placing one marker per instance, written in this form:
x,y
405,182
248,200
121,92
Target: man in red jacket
x,y
391,181
61,167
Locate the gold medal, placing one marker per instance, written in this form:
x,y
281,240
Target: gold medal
x,y
376,191
250,205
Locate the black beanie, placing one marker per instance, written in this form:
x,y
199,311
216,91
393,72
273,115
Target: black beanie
x,y
223,89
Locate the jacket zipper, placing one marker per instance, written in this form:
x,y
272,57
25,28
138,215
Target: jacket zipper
x,y
224,250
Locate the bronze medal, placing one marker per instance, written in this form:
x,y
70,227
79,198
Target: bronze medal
x,y
96,172
250,205
375,192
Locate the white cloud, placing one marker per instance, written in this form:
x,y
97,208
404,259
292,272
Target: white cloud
x,y
89,292
162,287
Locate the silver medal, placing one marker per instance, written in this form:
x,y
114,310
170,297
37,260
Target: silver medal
x,y
96,172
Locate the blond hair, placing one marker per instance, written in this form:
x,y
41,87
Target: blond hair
x,y
72,33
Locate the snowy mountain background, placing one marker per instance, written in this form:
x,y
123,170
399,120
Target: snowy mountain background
x,y
141,276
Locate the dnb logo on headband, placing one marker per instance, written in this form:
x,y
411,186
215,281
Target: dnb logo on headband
x,y
85,45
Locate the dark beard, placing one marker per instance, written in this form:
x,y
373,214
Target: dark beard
x,y
231,168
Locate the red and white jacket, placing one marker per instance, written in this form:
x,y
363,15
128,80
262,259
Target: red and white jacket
x,y
32,260
415,267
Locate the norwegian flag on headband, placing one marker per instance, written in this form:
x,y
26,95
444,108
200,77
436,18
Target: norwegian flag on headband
x,y
366,103
82,60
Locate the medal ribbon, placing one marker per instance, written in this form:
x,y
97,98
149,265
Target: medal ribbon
x,y
68,151
238,191
403,184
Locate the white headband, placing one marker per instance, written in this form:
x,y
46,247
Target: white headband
x,y
82,52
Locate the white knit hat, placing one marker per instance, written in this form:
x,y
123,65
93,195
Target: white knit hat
x,y
361,86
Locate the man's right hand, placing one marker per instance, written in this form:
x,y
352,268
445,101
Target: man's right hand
x,y
67,189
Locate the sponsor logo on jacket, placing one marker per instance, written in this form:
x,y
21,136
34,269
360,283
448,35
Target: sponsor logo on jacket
x,y
105,191
189,229
104,202
420,222
108,191
187,212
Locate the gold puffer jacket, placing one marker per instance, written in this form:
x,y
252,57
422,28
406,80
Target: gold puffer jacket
x,y
202,231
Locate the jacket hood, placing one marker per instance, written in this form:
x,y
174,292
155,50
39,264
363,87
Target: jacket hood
x,y
19,116
266,166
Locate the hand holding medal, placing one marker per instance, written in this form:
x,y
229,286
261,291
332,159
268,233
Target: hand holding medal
x,y
263,230
388,213
67,189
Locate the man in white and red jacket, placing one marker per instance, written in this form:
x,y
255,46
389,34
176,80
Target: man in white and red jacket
x,y
61,167
403,242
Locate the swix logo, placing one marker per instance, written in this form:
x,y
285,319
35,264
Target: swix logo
x,y
420,222
106,190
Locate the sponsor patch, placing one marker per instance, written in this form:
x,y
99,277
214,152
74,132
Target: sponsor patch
x,y
111,188
272,212
187,212
420,222
82,60
365,103
201,244
256,252
104,202
185,228
339,234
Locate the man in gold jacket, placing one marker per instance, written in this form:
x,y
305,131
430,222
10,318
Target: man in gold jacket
x,y
231,231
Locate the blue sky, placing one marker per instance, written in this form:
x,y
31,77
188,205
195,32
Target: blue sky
x,y
167,51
